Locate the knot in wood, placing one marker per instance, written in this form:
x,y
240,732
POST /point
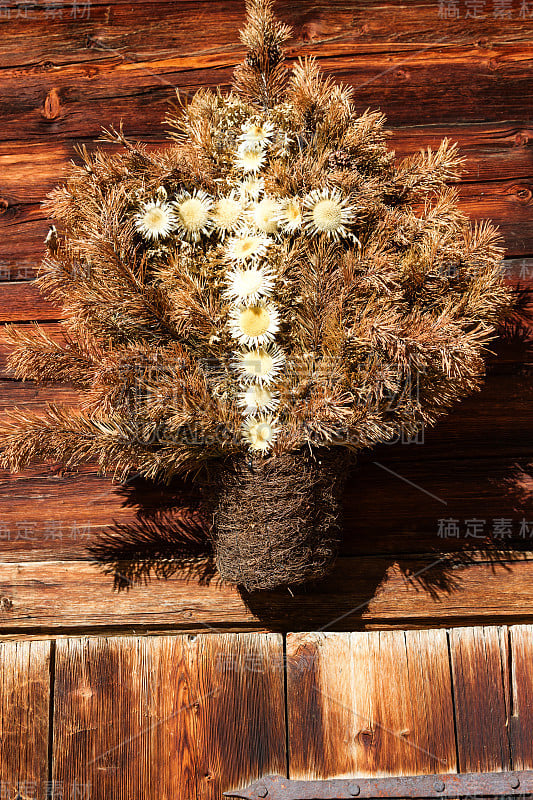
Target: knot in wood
x,y
52,106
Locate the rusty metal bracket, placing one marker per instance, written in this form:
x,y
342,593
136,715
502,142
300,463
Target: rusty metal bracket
x,y
472,784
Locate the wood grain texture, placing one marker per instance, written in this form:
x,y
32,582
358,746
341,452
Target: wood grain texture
x,y
421,76
365,592
22,302
496,182
369,704
241,723
65,73
507,202
479,660
194,26
428,504
24,714
31,169
191,716
409,702
520,650
169,716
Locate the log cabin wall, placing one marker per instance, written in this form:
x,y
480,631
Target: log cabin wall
x,y
438,531
124,673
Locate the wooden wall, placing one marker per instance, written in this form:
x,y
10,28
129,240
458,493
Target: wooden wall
x,y
189,717
436,533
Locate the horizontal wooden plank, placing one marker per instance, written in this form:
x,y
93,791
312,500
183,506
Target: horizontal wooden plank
x,y
416,85
510,354
361,592
390,508
493,151
507,204
21,301
490,422
31,397
50,516
58,35
463,485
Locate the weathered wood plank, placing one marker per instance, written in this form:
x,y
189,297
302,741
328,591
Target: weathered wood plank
x,y
241,722
64,36
28,395
492,420
170,716
369,592
24,714
521,695
493,151
369,704
21,301
506,354
109,708
479,660
454,506
74,100
450,505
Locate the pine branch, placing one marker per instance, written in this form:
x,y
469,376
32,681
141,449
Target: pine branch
x,y
37,357
262,77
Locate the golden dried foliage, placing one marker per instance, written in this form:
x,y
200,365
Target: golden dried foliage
x,y
384,312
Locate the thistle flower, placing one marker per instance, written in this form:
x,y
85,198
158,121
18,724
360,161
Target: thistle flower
x,y
227,214
257,398
328,212
289,216
260,432
261,365
265,214
192,214
257,133
249,285
249,158
246,246
155,220
252,186
254,324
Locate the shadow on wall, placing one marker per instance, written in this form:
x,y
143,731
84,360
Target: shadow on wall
x,y
393,505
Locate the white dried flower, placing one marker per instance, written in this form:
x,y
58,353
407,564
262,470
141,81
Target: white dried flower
x,y
254,325
155,220
260,432
192,214
260,365
328,212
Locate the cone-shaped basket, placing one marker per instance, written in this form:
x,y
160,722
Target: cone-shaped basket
x,y
277,521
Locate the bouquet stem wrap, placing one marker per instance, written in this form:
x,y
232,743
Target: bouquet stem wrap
x,y
277,521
